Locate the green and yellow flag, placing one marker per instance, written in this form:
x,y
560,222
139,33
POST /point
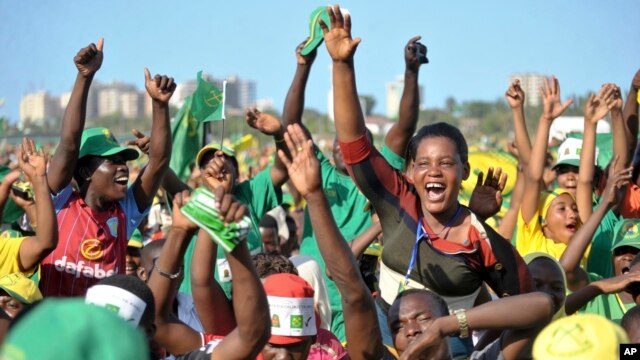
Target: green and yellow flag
x,y
208,101
187,135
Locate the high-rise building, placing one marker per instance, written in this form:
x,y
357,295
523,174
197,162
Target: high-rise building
x,y
239,94
118,98
394,94
38,109
530,83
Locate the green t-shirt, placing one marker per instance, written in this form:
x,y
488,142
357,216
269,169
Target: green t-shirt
x,y
348,208
607,305
599,260
260,196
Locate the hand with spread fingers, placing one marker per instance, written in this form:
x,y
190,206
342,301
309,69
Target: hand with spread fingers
x,y
551,105
304,167
89,59
263,122
486,198
160,87
338,40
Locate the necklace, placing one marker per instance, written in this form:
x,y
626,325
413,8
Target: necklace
x,y
447,225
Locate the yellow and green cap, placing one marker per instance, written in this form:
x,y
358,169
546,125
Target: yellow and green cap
x,y
227,150
20,288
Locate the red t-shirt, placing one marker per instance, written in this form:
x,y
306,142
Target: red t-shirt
x,y
92,245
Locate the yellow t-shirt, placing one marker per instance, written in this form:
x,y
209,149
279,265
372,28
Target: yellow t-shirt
x,y
530,238
9,255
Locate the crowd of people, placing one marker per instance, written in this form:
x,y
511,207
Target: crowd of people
x,y
368,255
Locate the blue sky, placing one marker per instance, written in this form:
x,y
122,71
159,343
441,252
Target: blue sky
x,y
473,46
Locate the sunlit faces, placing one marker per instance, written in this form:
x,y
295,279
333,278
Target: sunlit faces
x,y
410,315
270,240
437,173
567,177
547,277
295,351
110,178
132,260
622,257
562,219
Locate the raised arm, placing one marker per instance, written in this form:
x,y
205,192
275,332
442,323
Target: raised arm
x,y
578,299
620,143
341,47
401,132
574,252
63,163
35,248
171,333
160,88
212,305
552,108
251,309
294,102
515,97
595,110
361,323
630,114
505,313
271,126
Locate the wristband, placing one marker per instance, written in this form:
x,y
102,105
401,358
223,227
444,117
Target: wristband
x,y
167,275
461,315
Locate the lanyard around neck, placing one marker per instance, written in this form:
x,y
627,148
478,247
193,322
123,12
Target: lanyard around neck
x,y
420,233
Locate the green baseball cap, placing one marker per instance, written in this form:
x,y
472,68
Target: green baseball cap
x,y
71,329
627,233
101,142
315,31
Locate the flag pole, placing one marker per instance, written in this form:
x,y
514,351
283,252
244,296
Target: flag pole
x,y
224,96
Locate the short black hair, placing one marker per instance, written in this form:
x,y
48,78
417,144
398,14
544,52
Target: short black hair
x,y
440,129
269,264
268,221
138,288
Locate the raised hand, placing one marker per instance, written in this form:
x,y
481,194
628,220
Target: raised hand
x,y
265,123
231,210
596,107
411,59
89,59
305,59
551,105
160,87
338,39
142,141
304,167
616,181
217,172
614,98
635,83
486,198
178,220
32,162
515,95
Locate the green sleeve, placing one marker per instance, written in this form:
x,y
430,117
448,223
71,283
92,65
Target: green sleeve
x,y
395,160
